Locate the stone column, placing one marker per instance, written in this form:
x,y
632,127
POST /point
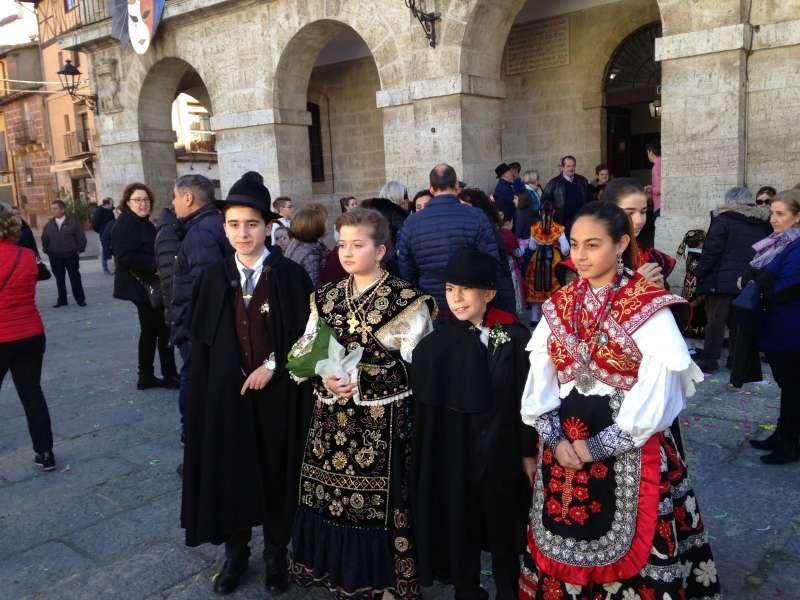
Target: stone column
x,y
453,119
271,141
119,156
703,125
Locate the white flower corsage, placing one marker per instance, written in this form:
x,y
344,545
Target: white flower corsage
x,y
264,309
498,336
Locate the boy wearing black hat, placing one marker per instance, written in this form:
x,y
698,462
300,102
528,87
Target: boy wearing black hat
x,y
246,420
474,457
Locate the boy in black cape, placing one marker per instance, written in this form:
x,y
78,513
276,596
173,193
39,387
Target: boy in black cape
x,y
474,457
246,419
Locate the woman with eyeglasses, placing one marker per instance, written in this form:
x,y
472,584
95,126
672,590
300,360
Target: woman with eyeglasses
x,y
136,280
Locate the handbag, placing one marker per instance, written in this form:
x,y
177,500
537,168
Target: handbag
x,y
44,273
750,298
153,291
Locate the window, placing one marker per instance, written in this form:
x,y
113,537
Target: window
x,y
3,153
66,123
3,84
315,144
76,59
70,4
60,59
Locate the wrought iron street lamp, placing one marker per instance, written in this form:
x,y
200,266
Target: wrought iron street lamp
x,y
70,77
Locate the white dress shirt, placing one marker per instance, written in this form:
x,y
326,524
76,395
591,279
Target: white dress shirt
x,y
257,268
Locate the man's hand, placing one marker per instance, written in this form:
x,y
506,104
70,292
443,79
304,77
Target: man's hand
x,y
567,457
529,468
653,273
257,380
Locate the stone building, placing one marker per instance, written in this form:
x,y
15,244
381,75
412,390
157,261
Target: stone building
x,y
334,97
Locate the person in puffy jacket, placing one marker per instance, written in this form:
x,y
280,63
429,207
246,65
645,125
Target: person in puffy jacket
x,y
429,237
167,244
727,250
22,340
133,239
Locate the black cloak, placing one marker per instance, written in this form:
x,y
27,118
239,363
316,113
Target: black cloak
x,y
469,435
243,454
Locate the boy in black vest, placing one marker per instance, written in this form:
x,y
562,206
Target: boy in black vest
x,y
474,457
246,420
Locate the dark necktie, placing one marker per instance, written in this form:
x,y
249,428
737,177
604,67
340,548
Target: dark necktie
x,y
249,285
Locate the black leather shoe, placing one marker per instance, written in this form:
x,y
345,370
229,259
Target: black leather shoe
x,y
276,569
172,382
787,451
770,443
227,580
147,382
82,303
59,304
46,460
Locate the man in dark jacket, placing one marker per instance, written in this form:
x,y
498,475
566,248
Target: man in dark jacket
x,y
568,192
429,237
727,250
63,240
247,419
101,216
504,190
167,245
203,245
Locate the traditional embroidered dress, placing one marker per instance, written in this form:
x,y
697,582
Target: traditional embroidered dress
x,y
627,524
353,531
540,279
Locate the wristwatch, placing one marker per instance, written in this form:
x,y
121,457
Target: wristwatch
x,y
270,362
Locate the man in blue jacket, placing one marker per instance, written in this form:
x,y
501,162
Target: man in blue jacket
x,y
429,237
203,245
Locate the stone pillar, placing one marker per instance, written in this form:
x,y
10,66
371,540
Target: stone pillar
x,y
158,165
119,157
453,119
273,142
703,125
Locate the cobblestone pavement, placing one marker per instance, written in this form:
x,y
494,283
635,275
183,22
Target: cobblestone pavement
x,y
104,525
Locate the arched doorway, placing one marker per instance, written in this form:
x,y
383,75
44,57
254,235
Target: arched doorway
x,y
328,70
632,98
174,127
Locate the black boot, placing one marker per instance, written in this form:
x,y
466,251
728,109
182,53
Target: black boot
x,y
770,443
276,569
235,565
787,451
148,381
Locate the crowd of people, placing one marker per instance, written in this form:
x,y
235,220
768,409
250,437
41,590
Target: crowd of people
x,y
460,372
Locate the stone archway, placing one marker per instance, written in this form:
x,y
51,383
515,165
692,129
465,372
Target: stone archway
x,y
164,81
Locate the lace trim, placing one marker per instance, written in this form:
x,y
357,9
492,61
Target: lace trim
x,y
666,573
548,426
611,441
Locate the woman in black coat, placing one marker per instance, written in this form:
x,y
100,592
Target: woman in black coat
x,y
133,240
727,250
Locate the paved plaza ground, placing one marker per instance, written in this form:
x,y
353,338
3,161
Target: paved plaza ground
x,y
105,524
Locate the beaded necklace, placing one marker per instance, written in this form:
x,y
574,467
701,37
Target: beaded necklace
x,y
356,308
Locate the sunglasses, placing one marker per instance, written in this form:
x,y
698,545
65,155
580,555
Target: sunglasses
x,y
762,201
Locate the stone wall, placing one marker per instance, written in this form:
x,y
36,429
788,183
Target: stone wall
x,y
550,112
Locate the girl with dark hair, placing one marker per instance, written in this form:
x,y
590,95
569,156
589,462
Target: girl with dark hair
x,y
352,533
348,203
613,510
136,280
549,245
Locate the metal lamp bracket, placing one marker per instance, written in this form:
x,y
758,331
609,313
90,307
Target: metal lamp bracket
x,y
426,19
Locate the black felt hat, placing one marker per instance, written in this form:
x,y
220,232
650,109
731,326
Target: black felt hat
x,y
250,191
501,168
471,268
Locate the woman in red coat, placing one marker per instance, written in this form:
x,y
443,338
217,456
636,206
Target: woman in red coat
x,y
22,339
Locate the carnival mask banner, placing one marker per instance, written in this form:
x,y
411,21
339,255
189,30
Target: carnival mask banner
x,y
135,21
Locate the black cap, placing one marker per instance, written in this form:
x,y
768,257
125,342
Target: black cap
x,y
501,168
249,191
471,268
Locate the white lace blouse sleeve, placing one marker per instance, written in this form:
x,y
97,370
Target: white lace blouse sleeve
x,y
666,378
541,389
405,331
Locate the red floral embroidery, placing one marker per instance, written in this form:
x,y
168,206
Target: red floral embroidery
x,y
555,485
647,593
680,518
598,596
579,514
575,429
581,493
557,471
595,506
553,506
547,456
582,477
552,589
665,532
598,470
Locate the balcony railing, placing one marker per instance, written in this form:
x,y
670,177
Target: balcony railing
x,y
78,142
93,11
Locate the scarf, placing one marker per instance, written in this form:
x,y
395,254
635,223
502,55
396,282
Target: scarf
x,y
771,246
